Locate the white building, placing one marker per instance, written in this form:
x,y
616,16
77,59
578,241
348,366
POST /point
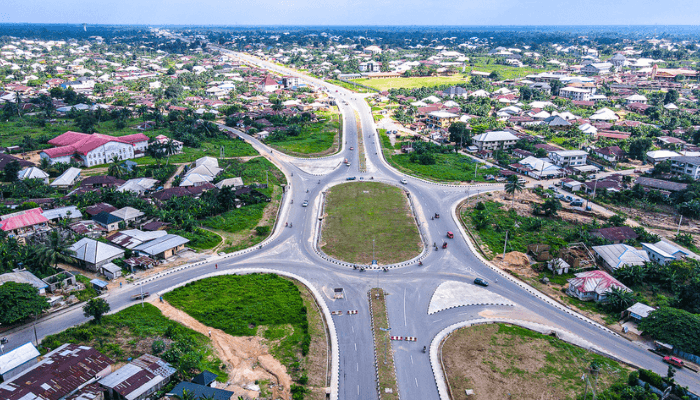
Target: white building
x,y
636,98
663,252
95,149
569,158
495,140
597,68
574,93
684,165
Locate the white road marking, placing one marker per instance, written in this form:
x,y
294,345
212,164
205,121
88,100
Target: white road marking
x,y
404,307
353,328
358,390
355,346
411,358
416,381
357,367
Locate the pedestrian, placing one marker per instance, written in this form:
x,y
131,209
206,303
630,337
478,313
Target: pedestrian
x,y
216,266
209,332
120,285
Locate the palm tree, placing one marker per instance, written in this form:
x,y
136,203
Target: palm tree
x,y
620,299
169,148
513,185
54,250
116,170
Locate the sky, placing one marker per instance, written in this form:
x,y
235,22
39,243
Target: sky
x,y
353,12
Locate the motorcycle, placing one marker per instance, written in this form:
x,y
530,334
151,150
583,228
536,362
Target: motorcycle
x,y
424,349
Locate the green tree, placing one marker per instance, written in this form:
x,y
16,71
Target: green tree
x,y
555,86
96,308
54,250
11,170
460,134
673,326
494,75
512,186
619,299
638,148
551,206
86,122
18,301
671,96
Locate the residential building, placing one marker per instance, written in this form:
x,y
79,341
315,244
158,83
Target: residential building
x,y
568,158
24,223
441,119
537,168
139,379
98,208
615,256
685,165
269,85
60,373
200,392
610,153
615,234
70,213
111,271
663,252
67,179
234,183
495,140
604,114
108,221
6,159
593,285
637,312
162,247
128,214
131,238
24,276
93,254
290,81
139,186
656,156
597,68
95,149
574,93
370,66
661,185
17,361
636,98
33,173
618,60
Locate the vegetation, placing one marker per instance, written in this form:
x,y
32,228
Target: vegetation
x,y
382,345
369,221
200,239
141,329
318,138
409,83
673,326
19,301
96,308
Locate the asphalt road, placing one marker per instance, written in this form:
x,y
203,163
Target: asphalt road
x,y
410,288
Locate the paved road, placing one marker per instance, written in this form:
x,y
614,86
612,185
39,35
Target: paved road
x,y
410,288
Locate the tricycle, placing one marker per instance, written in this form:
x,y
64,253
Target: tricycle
x,y
437,215
444,245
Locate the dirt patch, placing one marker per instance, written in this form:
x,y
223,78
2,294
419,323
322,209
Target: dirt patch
x,y
504,362
247,359
517,262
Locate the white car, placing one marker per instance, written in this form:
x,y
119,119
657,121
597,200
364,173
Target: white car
x,y
404,181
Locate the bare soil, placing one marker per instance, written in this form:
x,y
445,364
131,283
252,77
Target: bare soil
x,y
247,358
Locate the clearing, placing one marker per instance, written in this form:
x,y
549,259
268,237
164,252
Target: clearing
x,y
383,84
315,140
369,220
501,361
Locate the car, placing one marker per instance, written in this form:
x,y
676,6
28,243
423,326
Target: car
x,y
352,148
552,188
350,178
559,196
676,362
404,181
569,198
480,282
576,203
305,203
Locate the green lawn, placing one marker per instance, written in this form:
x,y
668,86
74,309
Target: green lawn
x,y
210,147
450,167
357,213
240,305
200,239
507,361
410,83
486,64
137,330
321,138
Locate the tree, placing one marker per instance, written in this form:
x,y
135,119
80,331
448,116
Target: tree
x,y
638,148
494,75
460,133
616,220
689,296
86,122
673,326
619,299
11,170
512,186
96,308
19,301
173,91
551,206
55,250
555,86
671,96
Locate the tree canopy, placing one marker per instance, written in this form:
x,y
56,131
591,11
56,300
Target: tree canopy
x,y
19,301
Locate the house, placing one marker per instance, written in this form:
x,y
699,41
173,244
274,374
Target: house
x,y
128,214
593,285
659,184
558,266
67,179
100,207
60,373
139,379
685,165
93,254
663,252
537,168
618,60
88,228
637,312
33,173
95,149
571,185
597,68
290,81
615,234
541,87
24,223
370,66
575,94
131,238
604,114
234,183
615,256
70,213
200,392
636,98
139,186
455,91
111,271
6,159
101,181
495,140
108,221
269,85
441,119
17,361
205,378
656,156
610,153
24,276
162,247
568,158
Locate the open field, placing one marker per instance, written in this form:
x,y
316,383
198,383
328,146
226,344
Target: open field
x,y
358,213
410,83
263,305
137,330
210,147
486,64
508,362
447,168
382,345
318,139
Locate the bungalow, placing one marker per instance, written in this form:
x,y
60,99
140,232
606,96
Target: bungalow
x,y
67,179
139,186
637,312
87,228
495,140
571,184
24,223
111,271
139,379
6,159
593,285
659,184
33,173
128,214
663,252
656,156
98,208
610,153
71,213
537,168
636,98
616,256
615,234
597,68
101,181
163,247
93,254
108,221
17,361
131,238
24,276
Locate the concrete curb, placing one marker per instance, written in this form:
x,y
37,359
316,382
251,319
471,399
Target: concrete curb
x,y
471,304
333,334
436,345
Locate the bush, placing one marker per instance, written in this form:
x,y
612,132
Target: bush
x,y
158,347
633,377
262,230
651,378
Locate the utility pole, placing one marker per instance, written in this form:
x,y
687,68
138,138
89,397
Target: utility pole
x,y
141,296
504,246
678,231
36,338
267,179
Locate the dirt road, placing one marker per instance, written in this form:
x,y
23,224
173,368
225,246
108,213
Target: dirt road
x,y
247,359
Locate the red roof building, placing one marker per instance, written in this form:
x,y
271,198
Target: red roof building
x,y
94,149
23,222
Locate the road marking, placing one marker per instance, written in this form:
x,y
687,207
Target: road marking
x,y
357,367
411,358
358,390
355,346
353,329
404,307
416,381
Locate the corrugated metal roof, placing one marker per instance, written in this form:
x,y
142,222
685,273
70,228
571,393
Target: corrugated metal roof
x,y
27,218
23,277
93,252
68,177
15,358
63,213
620,255
157,246
595,281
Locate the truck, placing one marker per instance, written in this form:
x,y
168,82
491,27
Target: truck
x,y
140,296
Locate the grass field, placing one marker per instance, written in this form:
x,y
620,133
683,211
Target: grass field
x,y
358,213
486,64
133,331
200,239
447,168
249,305
508,362
382,345
210,147
318,139
410,83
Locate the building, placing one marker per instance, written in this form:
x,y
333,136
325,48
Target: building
x,y
575,94
233,183
24,276
685,165
107,221
67,179
162,247
24,223
93,254
98,208
568,158
593,285
610,153
200,392
618,60
269,85
95,149
111,271
656,156
636,98
663,252
6,159
637,312
33,173
17,361
60,373
290,81
537,168
616,256
370,66
661,185
131,238
139,379
128,214
441,119
495,140
615,234
597,68
139,186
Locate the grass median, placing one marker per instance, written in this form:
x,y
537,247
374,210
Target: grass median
x,y
368,221
382,346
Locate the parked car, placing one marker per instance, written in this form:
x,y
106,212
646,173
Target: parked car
x,y
480,282
559,196
351,178
404,181
305,203
676,362
552,187
577,203
568,198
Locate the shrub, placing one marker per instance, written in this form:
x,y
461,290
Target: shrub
x,y
651,378
262,230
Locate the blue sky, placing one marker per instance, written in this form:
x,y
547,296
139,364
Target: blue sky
x,y
354,12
